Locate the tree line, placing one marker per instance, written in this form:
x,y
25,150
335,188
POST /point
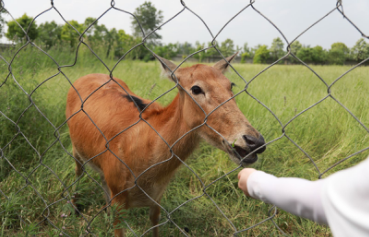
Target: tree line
x,y
338,54
116,42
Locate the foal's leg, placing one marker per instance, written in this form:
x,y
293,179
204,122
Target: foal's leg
x,y
116,181
155,217
119,202
106,192
78,171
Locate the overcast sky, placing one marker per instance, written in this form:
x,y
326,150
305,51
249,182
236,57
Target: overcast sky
x,y
291,16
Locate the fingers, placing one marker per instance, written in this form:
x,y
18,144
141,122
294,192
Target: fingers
x,y
243,176
245,173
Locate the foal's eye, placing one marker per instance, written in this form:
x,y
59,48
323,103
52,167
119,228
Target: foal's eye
x,y
196,90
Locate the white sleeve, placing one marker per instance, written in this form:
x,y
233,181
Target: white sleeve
x,y
297,196
346,201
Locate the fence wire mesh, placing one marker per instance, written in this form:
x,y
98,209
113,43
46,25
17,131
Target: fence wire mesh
x,y
67,194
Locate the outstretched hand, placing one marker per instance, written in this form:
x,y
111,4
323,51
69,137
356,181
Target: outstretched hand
x,y
242,179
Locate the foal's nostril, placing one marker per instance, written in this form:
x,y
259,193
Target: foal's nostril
x,y
251,141
254,143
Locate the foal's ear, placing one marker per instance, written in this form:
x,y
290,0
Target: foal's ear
x,y
223,65
167,67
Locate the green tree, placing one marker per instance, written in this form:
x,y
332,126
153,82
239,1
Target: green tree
x,y
201,55
167,51
185,49
319,55
360,51
294,48
254,49
227,47
211,52
336,56
108,38
338,53
17,34
262,54
315,55
340,46
69,34
111,39
305,54
96,34
100,38
125,43
92,28
149,18
246,53
2,21
276,49
49,33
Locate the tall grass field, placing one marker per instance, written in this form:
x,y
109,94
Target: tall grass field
x,y
34,202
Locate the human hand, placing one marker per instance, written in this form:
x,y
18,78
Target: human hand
x,y
242,179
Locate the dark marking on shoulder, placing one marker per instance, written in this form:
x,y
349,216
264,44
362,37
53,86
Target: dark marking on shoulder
x,y
141,105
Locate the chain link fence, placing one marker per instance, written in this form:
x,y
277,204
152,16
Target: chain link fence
x,y
66,192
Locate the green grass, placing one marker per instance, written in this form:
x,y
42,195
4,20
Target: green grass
x,y
327,132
